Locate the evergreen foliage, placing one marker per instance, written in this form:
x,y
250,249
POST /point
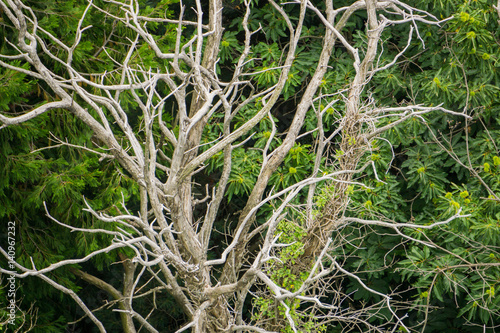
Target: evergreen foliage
x,y
426,169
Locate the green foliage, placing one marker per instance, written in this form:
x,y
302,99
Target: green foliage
x,y
229,47
244,172
417,176
14,86
285,274
424,182
37,170
419,181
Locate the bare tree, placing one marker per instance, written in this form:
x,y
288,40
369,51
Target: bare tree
x,y
169,242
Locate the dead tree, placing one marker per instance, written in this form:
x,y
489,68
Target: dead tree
x,y
167,240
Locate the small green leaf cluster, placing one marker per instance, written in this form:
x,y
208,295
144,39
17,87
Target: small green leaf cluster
x,y
296,166
285,273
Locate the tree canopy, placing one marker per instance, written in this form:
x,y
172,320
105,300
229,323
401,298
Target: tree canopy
x,y
250,166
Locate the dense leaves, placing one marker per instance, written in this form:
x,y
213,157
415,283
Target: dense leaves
x,y
424,170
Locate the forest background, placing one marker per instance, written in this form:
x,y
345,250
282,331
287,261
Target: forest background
x,y
310,191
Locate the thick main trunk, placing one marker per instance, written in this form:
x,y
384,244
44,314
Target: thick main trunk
x,y
218,317
333,211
